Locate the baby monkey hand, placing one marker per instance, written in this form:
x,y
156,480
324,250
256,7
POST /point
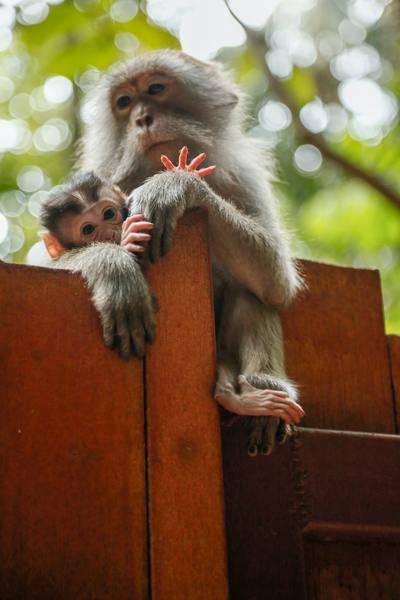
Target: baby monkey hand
x,y
133,236
183,166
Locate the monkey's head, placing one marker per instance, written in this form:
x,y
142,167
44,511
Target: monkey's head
x,y
84,211
153,105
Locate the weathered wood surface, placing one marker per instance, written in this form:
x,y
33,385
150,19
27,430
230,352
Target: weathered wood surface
x,y
284,512
336,350
188,556
394,360
75,423
72,493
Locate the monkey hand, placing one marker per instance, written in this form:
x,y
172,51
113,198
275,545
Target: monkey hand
x,y
120,294
183,166
163,199
132,233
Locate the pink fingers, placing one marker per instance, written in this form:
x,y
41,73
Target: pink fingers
x,y
206,171
182,158
167,163
196,161
133,248
133,227
136,237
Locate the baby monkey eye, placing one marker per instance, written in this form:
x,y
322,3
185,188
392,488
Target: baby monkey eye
x,y
88,229
124,213
155,88
108,214
123,102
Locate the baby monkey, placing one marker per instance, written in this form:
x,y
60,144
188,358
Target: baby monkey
x,y
89,210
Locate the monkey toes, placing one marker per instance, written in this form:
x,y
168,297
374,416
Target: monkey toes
x,y
265,431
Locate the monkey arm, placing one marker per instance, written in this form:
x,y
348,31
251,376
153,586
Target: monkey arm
x,y
254,254
119,292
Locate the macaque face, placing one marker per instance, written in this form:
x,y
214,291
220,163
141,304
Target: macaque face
x,y
99,222
145,105
156,104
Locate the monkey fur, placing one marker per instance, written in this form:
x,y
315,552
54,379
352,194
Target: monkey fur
x,y
156,103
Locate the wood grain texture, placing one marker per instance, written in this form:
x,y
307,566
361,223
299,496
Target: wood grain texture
x,y
394,359
336,350
350,571
265,553
72,494
352,485
188,556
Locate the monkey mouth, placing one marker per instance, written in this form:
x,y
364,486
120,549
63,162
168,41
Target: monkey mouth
x,y
154,144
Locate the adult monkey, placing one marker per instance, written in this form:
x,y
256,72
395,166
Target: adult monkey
x,y
154,105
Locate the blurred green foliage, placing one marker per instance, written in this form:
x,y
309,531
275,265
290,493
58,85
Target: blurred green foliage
x,y
335,217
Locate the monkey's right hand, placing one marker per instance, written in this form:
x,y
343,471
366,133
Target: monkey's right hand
x,y
119,292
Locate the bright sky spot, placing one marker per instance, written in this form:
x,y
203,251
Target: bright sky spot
x,y
6,89
16,237
5,38
35,202
367,12
352,33
275,116
279,63
356,62
12,203
126,42
32,13
3,227
123,10
202,37
37,254
57,89
7,16
298,44
314,116
54,134
308,158
368,101
30,179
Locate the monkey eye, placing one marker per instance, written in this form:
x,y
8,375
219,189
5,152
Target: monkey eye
x,y
108,214
123,102
155,88
88,229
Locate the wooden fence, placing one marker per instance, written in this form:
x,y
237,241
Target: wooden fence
x,y
114,481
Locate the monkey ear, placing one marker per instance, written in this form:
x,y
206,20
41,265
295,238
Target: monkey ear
x,y
53,246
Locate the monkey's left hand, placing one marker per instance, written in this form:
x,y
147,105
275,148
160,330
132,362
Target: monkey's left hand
x,y
163,199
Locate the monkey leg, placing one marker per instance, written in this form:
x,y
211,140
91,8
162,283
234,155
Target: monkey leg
x,y
251,375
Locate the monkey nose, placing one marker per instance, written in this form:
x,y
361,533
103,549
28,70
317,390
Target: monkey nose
x,y
144,121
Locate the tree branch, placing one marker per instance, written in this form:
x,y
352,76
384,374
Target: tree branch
x,y
259,47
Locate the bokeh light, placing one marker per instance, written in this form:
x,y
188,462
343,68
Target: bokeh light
x,y
307,158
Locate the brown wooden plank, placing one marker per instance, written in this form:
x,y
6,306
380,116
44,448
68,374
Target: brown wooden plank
x,y
72,494
322,486
188,558
336,350
352,487
394,359
263,521
349,571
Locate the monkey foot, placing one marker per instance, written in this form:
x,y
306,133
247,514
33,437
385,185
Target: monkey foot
x,y
268,403
266,431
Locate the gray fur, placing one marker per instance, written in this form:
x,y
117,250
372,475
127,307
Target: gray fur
x,y
254,273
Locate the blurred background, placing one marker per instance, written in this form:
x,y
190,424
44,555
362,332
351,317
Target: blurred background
x,y
323,86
